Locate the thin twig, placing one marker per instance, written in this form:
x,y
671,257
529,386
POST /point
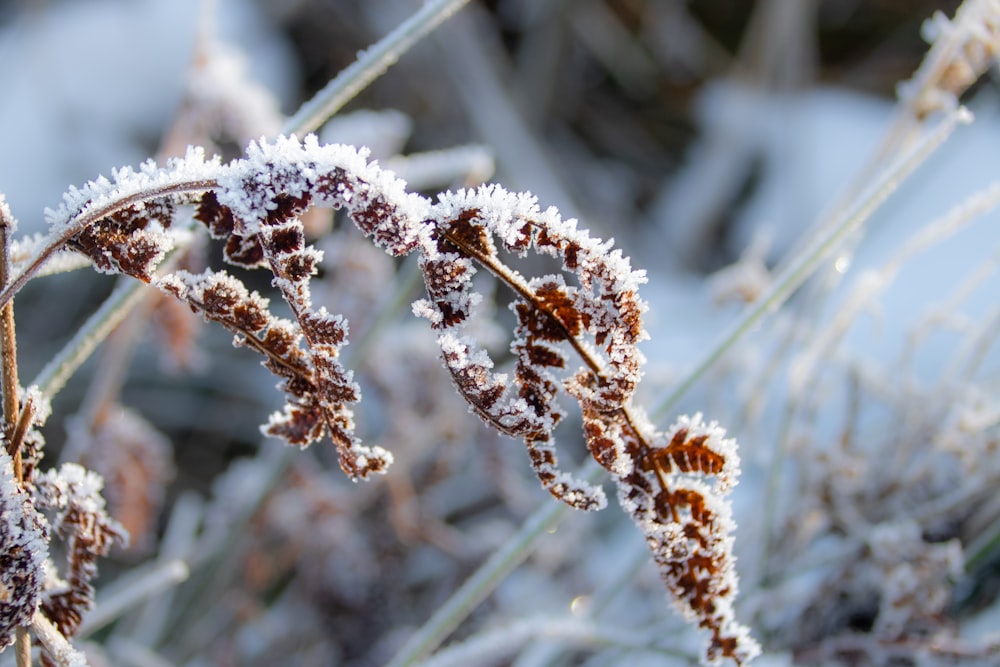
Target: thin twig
x,y
61,367
8,345
9,381
61,650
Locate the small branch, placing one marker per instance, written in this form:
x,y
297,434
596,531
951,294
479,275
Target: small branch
x,y
10,385
488,646
61,650
8,348
370,65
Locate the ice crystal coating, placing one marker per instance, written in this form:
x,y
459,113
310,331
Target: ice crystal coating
x,y
23,551
123,224
963,48
673,485
74,493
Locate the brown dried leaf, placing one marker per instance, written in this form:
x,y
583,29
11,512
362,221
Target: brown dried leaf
x,y
74,494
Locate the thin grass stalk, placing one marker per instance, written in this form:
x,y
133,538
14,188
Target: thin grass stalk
x,y
137,587
54,642
408,280
148,624
629,564
982,551
477,587
803,266
370,65
206,560
53,377
771,494
486,647
944,53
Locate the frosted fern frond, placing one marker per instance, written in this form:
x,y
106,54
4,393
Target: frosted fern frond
x,y
672,485
128,185
122,224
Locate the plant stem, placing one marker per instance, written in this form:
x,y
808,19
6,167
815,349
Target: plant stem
x,y
112,364
22,647
9,381
61,367
8,348
370,65
50,637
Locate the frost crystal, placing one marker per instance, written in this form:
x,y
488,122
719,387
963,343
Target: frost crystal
x,y
663,483
588,310
74,494
23,552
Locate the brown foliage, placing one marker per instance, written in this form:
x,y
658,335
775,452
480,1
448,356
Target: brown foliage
x,y
590,309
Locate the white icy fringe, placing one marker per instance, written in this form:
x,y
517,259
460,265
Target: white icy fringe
x,y
963,48
127,183
599,316
24,546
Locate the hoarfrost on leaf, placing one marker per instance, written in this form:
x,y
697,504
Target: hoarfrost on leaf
x,y
24,538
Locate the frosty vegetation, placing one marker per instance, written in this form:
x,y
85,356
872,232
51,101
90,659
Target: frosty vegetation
x,y
851,565
254,205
